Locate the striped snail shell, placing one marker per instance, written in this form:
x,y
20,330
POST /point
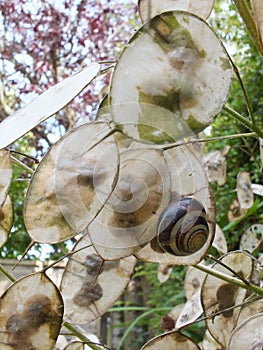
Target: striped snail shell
x,y
182,228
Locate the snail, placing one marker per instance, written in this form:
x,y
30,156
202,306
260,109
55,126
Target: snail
x,y
182,228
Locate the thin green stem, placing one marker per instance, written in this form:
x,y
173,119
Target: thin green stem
x,y
226,137
208,139
229,279
7,274
79,334
129,308
255,208
243,120
228,268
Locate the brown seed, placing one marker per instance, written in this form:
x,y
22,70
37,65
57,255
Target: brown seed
x,y
18,326
93,264
37,309
88,293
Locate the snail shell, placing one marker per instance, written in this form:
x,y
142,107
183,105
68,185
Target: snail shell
x,y
182,228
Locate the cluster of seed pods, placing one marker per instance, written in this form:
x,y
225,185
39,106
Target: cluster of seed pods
x,y
126,185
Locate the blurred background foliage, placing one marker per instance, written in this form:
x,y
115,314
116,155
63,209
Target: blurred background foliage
x,y
244,154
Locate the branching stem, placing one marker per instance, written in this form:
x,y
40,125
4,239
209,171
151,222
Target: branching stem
x,y
229,279
208,139
244,121
7,274
79,334
22,165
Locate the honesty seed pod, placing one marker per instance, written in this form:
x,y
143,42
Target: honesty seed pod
x,y
35,321
182,228
97,283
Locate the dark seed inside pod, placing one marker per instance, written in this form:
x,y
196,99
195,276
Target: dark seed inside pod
x,y
89,292
18,326
21,327
182,227
38,309
93,263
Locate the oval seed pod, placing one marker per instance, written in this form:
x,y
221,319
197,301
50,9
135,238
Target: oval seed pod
x,y
34,322
97,283
188,179
128,220
180,66
71,184
150,8
225,298
182,228
248,335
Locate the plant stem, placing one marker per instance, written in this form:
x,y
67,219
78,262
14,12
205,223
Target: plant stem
x,y
229,279
243,89
105,70
207,139
232,224
107,62
7,274
129,308
243,120
249,22
22,165
79,333
225,137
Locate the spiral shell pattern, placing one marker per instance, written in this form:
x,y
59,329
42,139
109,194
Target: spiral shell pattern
x,y
182,228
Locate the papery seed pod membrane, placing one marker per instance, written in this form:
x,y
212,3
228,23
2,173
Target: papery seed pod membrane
x,y
165,80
